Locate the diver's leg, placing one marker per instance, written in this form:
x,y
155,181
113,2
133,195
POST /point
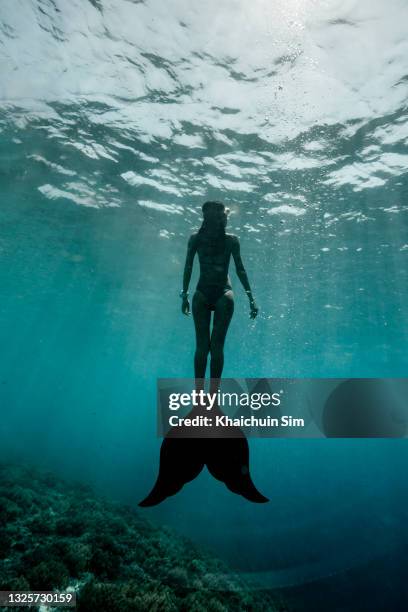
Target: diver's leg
x,y
224,309
202,319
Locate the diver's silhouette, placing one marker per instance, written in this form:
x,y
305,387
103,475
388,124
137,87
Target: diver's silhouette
x,y
227,457
214,293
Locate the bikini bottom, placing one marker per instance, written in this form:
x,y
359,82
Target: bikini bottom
x,y
212,293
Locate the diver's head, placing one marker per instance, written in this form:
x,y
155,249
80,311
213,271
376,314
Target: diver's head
x,y
215,216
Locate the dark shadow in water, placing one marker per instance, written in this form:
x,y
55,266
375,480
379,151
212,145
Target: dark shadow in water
x,y
366,408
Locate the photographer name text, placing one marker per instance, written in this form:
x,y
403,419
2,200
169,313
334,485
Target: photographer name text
x,y
242,421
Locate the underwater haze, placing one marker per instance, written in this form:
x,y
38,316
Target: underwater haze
x,y
118,119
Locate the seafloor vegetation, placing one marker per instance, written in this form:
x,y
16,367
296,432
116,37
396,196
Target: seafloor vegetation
x,y
56,535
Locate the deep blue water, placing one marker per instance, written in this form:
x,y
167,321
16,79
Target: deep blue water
x,y
118,119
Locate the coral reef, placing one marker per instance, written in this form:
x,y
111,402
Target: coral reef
x,y
58,535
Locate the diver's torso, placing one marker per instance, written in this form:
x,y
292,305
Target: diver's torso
x,y
214,257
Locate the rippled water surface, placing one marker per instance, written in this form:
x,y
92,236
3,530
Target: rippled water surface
x,y
118,119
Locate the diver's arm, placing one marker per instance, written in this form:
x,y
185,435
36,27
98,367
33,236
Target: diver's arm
x,y
242,275
188,268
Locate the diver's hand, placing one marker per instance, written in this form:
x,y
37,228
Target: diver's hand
x,y
185,306
253,309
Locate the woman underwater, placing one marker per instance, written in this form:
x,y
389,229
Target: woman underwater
x,y
213,293
182,457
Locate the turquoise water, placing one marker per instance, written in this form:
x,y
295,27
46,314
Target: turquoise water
x,y
118,119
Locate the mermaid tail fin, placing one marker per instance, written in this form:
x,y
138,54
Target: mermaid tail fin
x,y
181,460
227,459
